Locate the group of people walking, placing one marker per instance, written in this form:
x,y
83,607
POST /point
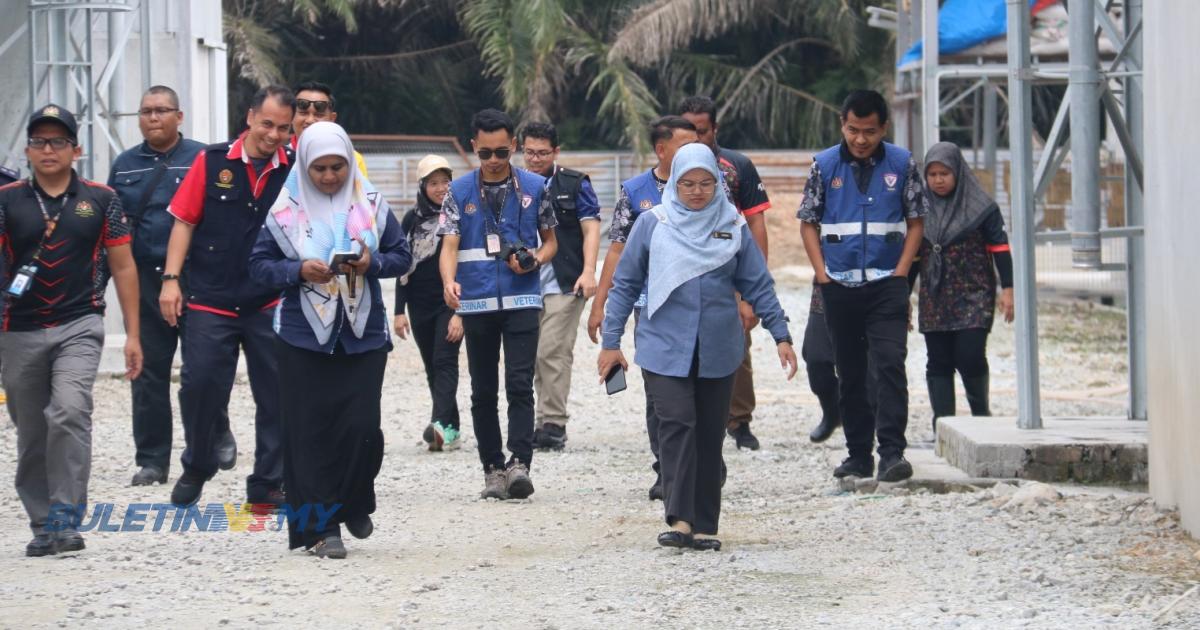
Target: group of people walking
x,y
274,245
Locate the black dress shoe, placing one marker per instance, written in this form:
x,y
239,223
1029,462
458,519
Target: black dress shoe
x,y
855,467
149,475
360,526
743,437
825,430
678,540
187,489
550,437
41,545
706,544
68,541
273,497
895,468
227,452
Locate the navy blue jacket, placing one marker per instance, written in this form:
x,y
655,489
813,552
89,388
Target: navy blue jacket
x,y
129,175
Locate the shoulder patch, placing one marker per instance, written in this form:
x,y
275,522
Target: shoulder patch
x,y
96,184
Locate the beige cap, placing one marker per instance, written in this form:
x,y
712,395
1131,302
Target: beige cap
x,y
431,163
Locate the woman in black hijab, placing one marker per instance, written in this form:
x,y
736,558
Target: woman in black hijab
x,y
965,247
434,326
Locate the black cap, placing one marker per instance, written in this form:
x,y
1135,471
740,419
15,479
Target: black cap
x,y
54,113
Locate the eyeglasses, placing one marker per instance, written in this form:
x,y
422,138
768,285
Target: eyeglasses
x,y
539,155
486,154
320,107
150,112
687,185
57,144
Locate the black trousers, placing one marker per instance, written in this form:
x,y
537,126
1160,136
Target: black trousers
x,y
440,357
869,325
651,417
692,413
211,343
821,365
152,421
517,332
964,351
333,446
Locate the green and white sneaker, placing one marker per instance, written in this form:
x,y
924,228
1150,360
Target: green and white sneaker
x,y
451,438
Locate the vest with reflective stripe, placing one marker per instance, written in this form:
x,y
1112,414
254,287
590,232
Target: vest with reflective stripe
x,y
862,234
643,194
488,284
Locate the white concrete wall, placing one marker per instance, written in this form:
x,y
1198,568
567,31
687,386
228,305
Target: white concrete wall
x,y
1173,235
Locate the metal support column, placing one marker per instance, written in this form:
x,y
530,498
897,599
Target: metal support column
x,y
1135,276
931,103
145,40
1085,135
990,126
1020,124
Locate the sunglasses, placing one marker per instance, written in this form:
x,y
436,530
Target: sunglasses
x,y
486,154
318,106
59,143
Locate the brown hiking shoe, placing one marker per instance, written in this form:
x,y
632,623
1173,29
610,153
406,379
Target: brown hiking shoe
x,y
495,484
520,485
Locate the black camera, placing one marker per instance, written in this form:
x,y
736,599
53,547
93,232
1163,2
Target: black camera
x,y
525,260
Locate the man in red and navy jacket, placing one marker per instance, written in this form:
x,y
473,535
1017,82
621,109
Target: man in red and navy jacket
x,y
219,209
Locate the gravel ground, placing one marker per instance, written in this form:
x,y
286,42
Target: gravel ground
x,y
581,552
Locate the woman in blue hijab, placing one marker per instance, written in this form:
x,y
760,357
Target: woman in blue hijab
x,y
692,254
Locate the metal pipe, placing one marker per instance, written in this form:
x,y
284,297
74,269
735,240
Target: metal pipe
x,y
991,118
116,82
930,97
1020,133
1084,59
145,41
1135,277
1061,236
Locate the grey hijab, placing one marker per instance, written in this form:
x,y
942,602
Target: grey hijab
x,y
953,216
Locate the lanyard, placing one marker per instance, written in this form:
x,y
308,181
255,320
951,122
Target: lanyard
x,y
498,209
51,222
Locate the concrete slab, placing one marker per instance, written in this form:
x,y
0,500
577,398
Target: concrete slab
x,y
930,472
1091,450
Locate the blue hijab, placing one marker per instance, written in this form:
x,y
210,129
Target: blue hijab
x,y
685,245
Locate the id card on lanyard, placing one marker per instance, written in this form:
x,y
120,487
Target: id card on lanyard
x,y
494,244
23,278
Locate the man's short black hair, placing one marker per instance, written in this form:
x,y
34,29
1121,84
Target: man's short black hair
x,y
541,131
663,128
162,89
278,92
700,105
317,86
488,120
864,103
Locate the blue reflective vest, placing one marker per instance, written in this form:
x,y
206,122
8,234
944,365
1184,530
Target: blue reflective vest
x,y
862,234
643,193
488,284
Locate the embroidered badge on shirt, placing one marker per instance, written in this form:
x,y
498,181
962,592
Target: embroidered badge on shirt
x,y
225,178
836,183
890,179
526,200
470,209
84,209
645,205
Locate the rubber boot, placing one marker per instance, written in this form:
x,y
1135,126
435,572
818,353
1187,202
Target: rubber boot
x,y
977,388
941,397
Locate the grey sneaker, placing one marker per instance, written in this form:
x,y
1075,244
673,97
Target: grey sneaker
x,y
68,540
520,485
330,547
495,484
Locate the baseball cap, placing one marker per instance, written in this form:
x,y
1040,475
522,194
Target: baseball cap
x,y
56,114
431,163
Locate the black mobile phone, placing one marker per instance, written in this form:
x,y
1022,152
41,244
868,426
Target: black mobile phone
x,y
342,258
615,381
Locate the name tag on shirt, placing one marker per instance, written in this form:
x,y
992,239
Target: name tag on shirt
x,y
493,244
725,236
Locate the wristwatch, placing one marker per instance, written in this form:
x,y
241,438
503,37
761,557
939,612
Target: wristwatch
x,y
170,276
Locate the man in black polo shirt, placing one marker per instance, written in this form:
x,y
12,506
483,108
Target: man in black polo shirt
x,y
750,197
59,237
219,209
146,177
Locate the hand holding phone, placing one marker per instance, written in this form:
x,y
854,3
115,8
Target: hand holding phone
x,y
615,381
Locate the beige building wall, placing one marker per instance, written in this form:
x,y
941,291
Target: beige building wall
x,y
1172,128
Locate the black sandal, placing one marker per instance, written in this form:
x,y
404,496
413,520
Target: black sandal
x,y
675,539
706,544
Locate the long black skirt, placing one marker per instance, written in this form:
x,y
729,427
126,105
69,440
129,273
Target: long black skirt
x,y
332,443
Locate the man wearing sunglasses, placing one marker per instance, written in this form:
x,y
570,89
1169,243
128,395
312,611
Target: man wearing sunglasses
x,y
60,238
146,177
491,224
315,103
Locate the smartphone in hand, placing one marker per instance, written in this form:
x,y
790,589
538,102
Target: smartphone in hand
x,y
615,381
337,259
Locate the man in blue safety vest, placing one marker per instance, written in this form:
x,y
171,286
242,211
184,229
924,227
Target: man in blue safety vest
x,y
862,224
491,223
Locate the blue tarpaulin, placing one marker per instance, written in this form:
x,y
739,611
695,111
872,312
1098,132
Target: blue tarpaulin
x,y
965,23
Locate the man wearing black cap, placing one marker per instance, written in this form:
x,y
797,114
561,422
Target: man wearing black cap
x,y
60,236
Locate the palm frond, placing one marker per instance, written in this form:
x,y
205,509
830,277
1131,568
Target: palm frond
x,y
656,29
627,103
253,49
